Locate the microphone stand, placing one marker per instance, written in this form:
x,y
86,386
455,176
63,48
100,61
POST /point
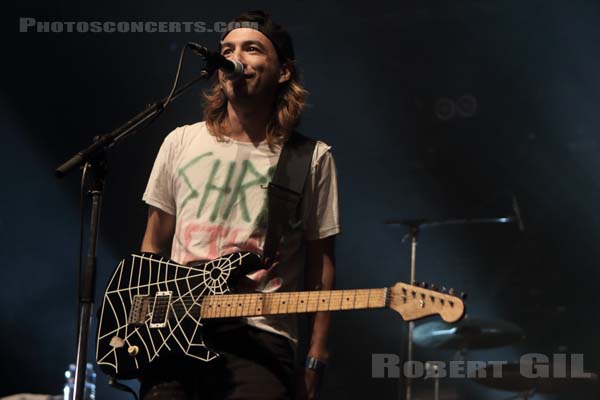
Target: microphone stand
x,y
94,157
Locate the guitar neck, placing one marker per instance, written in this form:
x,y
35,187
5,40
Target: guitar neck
x,y
258,304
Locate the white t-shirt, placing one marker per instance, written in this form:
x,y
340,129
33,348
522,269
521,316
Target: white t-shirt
x,y
217,191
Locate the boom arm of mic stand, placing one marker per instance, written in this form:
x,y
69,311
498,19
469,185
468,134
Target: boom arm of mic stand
x,y
109,139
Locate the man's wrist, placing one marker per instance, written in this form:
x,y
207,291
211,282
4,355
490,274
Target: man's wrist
x,y
315,364
319,350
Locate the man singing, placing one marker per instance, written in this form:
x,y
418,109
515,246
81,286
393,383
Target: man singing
x,y
207,197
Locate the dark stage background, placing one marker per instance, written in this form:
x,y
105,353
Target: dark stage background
x,y
376,72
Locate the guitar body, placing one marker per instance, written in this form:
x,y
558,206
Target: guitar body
x,y
152,308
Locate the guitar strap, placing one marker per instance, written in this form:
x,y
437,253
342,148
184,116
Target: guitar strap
x,y
285,191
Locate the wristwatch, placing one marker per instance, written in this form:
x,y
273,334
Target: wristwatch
x,y
315,364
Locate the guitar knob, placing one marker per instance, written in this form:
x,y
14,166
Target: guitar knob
x,y
133,350
443,289
423,285
463,295
433,287
451,292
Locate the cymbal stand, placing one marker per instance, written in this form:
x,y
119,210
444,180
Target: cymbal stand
x,y
413,233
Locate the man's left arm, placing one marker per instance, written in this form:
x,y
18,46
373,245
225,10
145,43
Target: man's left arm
x,y
320,275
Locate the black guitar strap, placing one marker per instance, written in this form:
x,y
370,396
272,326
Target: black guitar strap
x,y
286,189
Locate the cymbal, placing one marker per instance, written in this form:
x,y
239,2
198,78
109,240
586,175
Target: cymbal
x,y
423,222
468,334
513,381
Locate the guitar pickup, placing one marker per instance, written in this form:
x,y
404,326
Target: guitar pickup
x,y
139,310
160,309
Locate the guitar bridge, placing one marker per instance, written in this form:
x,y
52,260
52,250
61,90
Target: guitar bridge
x,y
160,309
139,310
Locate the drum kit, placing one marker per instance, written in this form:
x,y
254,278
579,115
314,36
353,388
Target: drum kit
x,y
472,334
482,334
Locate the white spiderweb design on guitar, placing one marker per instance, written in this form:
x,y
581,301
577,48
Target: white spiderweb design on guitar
x,y
142,277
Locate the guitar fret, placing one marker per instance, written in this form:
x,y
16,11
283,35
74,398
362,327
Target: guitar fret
x,y
282,304
277,299
280,299
338,298
224,309
258,305
235,311
346,300
252,305
215,308
205,309
240,308
359,296
225,305
267,304
287,303
271,303
322,302
244,308
295,302
309,301
234,305
231,305
276,304
261,304
301,303
318,301
222,306
237,308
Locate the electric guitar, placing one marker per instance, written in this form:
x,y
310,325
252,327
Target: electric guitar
x,y
153,306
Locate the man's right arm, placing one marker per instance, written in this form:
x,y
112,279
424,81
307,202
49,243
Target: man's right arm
x,y
159,231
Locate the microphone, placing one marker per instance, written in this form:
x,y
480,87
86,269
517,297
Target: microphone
x,y
517,214
233,69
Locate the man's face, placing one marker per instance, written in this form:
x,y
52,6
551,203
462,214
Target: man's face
x,y
262,71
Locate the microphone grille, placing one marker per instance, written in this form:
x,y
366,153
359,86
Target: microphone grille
x,y
237,72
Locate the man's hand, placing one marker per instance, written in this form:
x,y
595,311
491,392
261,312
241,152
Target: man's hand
x,y
263,280
308,385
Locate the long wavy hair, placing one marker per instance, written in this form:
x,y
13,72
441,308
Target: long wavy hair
x,y
289,103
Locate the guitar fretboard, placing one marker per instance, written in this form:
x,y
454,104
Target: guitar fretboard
x,y
256,304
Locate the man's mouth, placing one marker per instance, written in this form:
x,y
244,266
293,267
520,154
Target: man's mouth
x,y
244,80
